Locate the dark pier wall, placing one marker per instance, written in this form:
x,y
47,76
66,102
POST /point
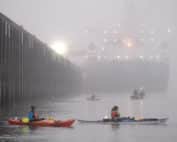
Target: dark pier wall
x,y
29,68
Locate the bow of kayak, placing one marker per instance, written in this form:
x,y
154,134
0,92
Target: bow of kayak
x,y
43,123
66,123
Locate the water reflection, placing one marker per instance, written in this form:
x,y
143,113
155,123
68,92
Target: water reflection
x,y
115,127
79,107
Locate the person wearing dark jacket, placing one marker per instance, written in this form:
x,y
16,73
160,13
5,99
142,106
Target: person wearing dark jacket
x,y
115,113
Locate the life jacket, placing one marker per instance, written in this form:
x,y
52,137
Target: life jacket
x,y
36,116
32,116
115,114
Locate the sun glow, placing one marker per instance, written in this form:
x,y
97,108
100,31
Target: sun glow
x,y
60,47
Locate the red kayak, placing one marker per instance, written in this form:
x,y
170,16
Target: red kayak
x,y
43,123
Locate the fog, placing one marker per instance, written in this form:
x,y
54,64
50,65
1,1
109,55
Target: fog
x,y
51,20
66,19
115,52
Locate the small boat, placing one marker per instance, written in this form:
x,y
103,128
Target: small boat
x,y
138,94
43,123
93,98
127,121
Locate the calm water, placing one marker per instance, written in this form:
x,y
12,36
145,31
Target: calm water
x,y
154,105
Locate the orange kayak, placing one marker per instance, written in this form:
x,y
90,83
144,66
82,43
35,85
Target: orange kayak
x,y
43,123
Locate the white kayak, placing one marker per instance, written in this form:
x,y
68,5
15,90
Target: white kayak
x,y
127,121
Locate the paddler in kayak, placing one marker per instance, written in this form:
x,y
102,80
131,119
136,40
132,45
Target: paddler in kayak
x,y
32,115
115,113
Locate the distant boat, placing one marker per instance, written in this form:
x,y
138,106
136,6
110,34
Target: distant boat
x,y
93,98
138,94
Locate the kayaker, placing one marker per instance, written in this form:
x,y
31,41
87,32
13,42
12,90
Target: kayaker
x,y
32,115
115,113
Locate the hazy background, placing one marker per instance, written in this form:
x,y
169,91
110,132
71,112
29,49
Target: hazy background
x,y
81,22
51,20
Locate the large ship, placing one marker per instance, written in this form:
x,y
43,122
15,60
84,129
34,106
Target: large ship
x,y
113,76
119,61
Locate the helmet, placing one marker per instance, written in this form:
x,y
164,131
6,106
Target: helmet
x,y
115,108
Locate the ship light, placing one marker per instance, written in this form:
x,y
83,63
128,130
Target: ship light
x,y
128,43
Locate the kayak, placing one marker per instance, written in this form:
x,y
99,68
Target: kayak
x,y
93,99
137,97
3,123
43,123
127,121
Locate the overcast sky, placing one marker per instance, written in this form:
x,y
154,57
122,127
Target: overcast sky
x,y
51,19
